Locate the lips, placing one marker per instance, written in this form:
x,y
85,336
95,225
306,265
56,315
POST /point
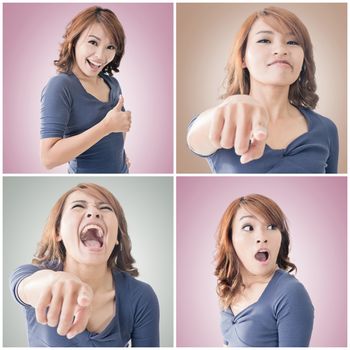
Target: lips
x,y
94,65
280,62
262,255
92,236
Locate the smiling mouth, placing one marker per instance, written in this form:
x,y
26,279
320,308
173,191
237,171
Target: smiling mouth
x,y
92,236
93,65
262,256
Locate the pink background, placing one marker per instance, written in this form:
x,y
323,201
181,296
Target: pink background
x,y
32,33
316,212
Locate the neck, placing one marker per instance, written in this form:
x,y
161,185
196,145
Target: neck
x,y
98,277
83,77
274,99
249,279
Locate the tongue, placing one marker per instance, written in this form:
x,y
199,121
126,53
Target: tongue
x,y
92,243
261,256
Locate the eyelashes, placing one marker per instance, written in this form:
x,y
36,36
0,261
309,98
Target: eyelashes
x,y
250,228
104,207
95,43
268,41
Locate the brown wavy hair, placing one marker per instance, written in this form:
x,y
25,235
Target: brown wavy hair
x,y
51,252
227,271
302,93
79,23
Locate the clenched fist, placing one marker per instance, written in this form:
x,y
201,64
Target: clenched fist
x,y
116,120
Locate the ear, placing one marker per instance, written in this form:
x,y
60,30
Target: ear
x,y
58,238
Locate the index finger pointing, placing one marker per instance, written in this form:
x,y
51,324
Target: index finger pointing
x,y
85,296
260,122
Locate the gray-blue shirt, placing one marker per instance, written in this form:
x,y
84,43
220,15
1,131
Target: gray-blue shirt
x,y
282,317
136,319
315,151
67,109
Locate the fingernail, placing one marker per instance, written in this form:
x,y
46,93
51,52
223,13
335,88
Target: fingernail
x,y
70,335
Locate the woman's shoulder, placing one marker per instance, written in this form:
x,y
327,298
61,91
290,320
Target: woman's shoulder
x,y
288,285
318,119
132,286
110,79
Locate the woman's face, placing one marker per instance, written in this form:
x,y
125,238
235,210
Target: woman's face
x,y
94,50
272,57
88,229
256,242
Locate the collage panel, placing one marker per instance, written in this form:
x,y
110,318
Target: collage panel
x,y
69,100
232,232
256,89
40,214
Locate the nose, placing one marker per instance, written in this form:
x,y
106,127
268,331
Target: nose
x,y
93,213
280,49
261,236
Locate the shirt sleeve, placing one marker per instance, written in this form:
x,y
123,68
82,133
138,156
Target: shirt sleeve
x,y
56,104
295,317
146,320
18,276
332,161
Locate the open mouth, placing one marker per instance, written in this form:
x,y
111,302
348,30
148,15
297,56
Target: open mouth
x,y
262,255
92,236
93,65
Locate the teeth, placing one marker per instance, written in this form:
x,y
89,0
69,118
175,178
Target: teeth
x,y
98,228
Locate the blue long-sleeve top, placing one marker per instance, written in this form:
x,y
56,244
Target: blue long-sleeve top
x,y
67,109
136,319
282,317
315,151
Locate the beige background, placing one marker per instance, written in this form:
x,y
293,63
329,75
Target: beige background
x,y
205,33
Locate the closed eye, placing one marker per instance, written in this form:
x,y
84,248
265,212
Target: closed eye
x,y
77,206
106,207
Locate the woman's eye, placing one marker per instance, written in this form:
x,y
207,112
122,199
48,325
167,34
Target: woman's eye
x,y
247,228
106,208
292,42
272,227
111,47
264,41
93,42
77,206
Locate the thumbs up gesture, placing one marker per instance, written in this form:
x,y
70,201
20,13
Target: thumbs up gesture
x,y
116,120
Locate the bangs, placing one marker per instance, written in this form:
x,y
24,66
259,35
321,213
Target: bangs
x,y
267,210
283,24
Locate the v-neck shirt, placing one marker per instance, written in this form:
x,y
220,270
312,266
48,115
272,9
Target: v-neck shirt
x,y
315,151
282,316
136,318
67,109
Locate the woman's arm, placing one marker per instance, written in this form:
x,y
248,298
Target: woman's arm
x,y
332,162
295,317
56,151
146,322
231,124
60,299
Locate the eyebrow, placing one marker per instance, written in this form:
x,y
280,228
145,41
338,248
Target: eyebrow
x,y
247,217
271,32
94,36
85,202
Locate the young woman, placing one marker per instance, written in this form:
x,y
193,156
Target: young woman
x,y
83,121
263,305
80,290
266,122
